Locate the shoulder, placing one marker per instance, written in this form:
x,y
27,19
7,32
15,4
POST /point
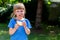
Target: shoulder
x,y
26,19
11,23
12,19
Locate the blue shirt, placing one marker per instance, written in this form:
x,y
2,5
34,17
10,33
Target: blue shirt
x,y
20,33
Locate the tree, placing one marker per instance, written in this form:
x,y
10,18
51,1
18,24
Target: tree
x,y
38,14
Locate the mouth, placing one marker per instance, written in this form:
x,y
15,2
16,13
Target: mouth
x,y
20,15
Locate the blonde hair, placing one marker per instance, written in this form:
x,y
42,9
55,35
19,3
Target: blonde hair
x,y
18,6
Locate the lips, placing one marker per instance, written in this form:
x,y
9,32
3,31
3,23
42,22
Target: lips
x,y
20,15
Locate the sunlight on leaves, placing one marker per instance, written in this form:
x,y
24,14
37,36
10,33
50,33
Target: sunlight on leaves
x,y
3,32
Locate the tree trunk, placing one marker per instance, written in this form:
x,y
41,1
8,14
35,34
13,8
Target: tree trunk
x,y
38,14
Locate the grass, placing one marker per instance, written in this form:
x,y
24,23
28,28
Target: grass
x,y
33,36
4,35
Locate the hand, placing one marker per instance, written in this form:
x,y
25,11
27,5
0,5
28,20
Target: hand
x,y
16,26
24,24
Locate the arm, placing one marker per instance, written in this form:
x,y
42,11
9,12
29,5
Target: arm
x,y
27,30
13,30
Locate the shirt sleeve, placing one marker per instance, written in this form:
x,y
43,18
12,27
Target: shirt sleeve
x,y
11,23
28,24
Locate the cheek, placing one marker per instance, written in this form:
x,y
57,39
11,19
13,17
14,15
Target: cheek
x,y
22,14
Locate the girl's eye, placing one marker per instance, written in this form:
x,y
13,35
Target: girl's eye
x,y
17,11
21,11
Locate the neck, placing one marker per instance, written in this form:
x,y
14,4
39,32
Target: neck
x,y
19,18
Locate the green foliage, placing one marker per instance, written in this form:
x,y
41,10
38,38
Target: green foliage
x,y
9,3
4,3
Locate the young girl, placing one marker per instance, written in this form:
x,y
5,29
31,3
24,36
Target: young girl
x,y
19,26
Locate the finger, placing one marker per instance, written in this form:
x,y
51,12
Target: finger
x,y
24,22
17,24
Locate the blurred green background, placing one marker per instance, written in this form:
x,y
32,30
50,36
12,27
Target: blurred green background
x,y
43,14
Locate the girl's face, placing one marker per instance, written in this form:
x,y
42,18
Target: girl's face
x,y
19,13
